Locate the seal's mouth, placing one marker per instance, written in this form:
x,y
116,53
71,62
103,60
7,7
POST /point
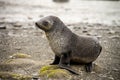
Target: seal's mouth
x,y
39,26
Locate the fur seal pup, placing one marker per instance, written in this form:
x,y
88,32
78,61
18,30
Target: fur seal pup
x,y
67,46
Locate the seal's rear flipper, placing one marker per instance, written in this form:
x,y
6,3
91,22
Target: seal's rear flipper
x,y
88,67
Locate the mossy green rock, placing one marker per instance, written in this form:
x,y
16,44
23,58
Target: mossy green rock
x,y
20,55
53,72
13,76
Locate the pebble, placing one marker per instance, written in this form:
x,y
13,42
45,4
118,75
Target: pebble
x,y
88,34
105,41
35,77
111,32
84,31
102,75
17,25
2,27
77,28
41,16
30,24
115,37
17,48
60,0
84,27
111,78
30,17
98,36
116,69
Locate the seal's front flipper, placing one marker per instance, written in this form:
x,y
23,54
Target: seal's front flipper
x,y
88,67
65,62
56,60
68,68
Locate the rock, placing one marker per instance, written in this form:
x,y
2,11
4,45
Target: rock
x,y
97,68
84,27
17,48
67,9
30,17
13,76
21,66
53,72
88,34
2,27
17,25
105,41
60,1
99,36
41,15
111,32
76,28
115,37
89,25
84,31
19,55
30,24
111,78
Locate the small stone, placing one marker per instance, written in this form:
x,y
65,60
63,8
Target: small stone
x,y
93,72
99,36
3,18
69,24
60,1
30,24
67,9
79,28
18,48
111,78
84,27
102,75
105,41
111,32
116,69
76,28
88,34
2,27
19,55
41,16
115,37
84,31
29,17
17,25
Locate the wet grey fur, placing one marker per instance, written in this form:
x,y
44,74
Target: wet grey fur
x,y
63,40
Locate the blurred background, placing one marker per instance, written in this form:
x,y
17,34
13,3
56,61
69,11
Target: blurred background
x,y
70,11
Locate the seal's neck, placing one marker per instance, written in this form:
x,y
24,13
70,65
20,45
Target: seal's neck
x,y
53,33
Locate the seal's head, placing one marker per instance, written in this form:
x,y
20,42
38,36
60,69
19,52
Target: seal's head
x,y
46,23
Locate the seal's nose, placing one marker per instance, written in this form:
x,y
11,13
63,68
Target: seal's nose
x,y
36,24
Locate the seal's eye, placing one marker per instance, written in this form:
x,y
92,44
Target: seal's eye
x,y
45,23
